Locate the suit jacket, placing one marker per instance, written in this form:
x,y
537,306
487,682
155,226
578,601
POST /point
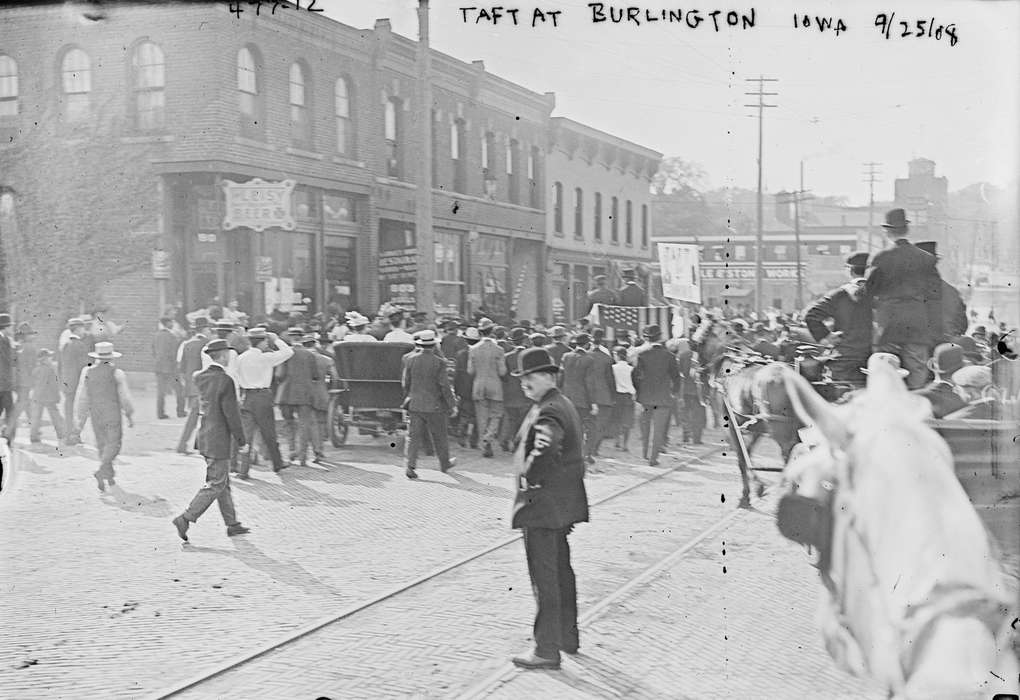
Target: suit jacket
x,y
298,377
191,362
426,383
513,395
74,357
556,351
599,378
320,390
452,344
462,381
164,348
954,312
631,295
656,377
942,397
906,293
572,378
8,364
598,296
221,417
550,483
487,364
850,310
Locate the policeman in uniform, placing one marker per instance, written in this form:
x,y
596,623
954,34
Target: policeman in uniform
x,y
849,309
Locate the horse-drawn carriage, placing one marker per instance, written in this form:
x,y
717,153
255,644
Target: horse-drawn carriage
x,y
368,395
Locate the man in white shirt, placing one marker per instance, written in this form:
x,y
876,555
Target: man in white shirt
x,y
255,375
398,334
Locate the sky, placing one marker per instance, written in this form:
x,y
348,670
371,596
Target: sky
x,y
843,100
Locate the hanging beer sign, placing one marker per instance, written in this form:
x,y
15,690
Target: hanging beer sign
x,y
258,205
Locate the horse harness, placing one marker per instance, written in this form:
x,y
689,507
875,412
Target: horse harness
x,y
743,359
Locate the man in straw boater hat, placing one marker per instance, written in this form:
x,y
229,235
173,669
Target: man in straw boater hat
x,y
219,431
103,396
906,295
429,400
849,309
550,500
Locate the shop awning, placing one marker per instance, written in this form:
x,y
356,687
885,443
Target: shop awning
x,y
737,292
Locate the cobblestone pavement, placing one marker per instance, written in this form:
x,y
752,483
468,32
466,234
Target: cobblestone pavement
x,y
102,600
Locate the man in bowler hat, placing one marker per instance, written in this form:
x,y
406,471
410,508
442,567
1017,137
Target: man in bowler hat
x,y
219,430
656,379
906,296
429,400
849,309
550,499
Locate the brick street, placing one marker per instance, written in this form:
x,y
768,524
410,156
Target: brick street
x,y
115,606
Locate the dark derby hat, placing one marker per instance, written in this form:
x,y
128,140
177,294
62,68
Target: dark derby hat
x,y
857,260
895,218
539,339
628,274
534,360
295,331
200,323
518,334
930,247
652,332
5,320
215,346
582,339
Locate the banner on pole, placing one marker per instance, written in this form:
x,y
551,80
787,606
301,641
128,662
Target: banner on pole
x,y
681,275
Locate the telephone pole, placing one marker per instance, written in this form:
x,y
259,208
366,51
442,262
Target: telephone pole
x,y
423,194
799,196
872,176
758,271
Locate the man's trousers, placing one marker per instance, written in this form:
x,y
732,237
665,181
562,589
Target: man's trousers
x,y
302,426
216,488
257,412
654,420
513,416
189,425
108,441
421,426
489,413
36,420
693,418
166,384
555,589
72,427
602,428
21,405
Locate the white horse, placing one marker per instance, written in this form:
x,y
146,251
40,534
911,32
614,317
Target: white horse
x,y
915,597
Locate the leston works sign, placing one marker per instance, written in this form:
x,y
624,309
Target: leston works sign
x,y
259,205
719,271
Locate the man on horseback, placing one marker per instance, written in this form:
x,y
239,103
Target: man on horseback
x,y
849,309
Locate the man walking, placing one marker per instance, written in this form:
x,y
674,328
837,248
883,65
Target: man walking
x,y
463,388
74,356
25,363
255,374
189,361
487,366
559,346
103,396
906,296
8,377
515,403
602,392
429,399
298,377
164,349
576,388
320,393
220,429
656,379
550,499
849,309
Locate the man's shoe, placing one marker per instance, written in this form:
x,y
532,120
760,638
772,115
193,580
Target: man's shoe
x,y
281,467
449,465
182,525
534,661
319,459
163,417
653,463
99,481
244,477
410,473
571,650
589,460
110,481
239,529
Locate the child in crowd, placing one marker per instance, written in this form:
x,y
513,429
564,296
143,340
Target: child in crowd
x,y
623,409
45,395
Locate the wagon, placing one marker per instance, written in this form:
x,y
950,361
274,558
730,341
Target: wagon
x,y
368,395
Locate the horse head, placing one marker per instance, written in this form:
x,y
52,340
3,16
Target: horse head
x,y
916,597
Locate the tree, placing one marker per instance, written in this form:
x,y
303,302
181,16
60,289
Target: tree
x,y
678,176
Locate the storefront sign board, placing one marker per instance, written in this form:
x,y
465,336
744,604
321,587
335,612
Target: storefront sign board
x,y
259,205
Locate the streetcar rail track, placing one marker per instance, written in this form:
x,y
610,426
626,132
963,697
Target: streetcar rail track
x,y
403,587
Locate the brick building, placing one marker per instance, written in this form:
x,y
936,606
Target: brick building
x,y
158,154
598,219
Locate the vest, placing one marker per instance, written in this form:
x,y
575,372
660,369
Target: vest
x,y
104,401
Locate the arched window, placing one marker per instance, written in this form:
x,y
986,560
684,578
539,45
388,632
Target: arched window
x,y
149,74
8,87
249,91
76,83
578,213
342,110
300,124
558,207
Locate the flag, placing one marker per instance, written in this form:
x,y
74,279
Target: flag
x,y
616,320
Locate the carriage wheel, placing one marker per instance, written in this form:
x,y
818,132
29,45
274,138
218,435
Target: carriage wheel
x,y
337,422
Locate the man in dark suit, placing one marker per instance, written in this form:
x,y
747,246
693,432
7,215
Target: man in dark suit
x,y
656,379
631,293
550,499
8,377
189,361
220,429
600,295
74,357
297,379
849,308
602,391
906,296
429,400
164,349
515,403
463,384
574,384
559,346
954,311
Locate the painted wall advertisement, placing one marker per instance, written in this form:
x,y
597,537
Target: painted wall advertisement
x,y
398,263
258,205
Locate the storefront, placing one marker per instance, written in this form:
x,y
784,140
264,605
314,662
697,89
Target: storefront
x,y
735,283
268,245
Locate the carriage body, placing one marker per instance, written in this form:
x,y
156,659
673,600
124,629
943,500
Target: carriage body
x,y
369,395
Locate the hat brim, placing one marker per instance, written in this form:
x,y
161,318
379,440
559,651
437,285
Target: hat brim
x,y
902,372
112,356
541,368
425,344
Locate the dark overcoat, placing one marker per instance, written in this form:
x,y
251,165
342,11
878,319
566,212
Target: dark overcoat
x,y
850,310
656,377
599,378
513,395
164,348
191,361
906,295
221,417
550,483
426,383
575,368
298,377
